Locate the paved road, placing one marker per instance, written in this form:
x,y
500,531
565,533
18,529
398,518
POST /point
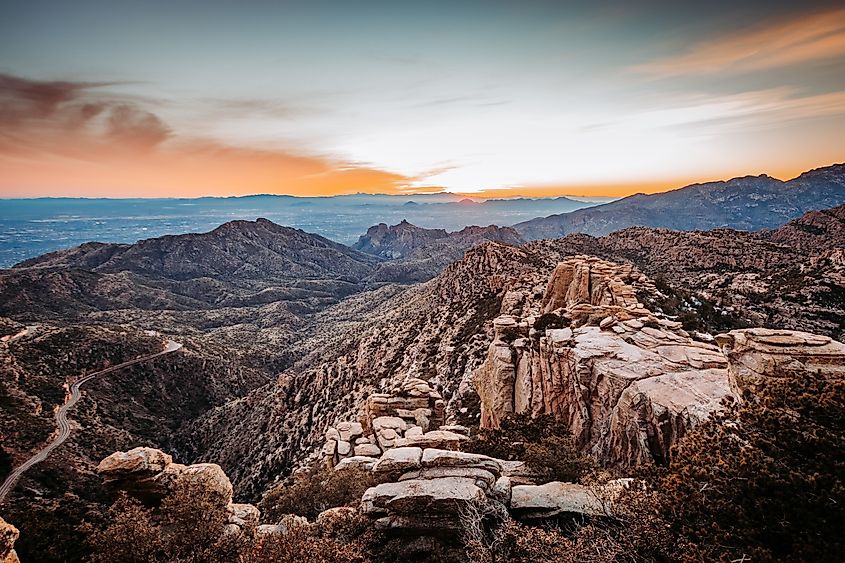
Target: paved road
x,y
61,416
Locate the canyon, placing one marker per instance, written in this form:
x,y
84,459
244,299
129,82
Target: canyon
x,y
387,359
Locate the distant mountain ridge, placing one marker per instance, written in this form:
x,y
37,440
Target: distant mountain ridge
x,y
257,249
415,254
402,239
748,203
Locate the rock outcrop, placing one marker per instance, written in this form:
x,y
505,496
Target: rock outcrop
x,y
430,491
8,536
432,487
400,418
758,354
628,384
150,475
627,391
589,280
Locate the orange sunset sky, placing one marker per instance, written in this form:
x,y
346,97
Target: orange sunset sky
x,y
186,99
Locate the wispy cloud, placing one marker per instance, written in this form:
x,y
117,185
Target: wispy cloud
x,y
774,44
60,136
770,106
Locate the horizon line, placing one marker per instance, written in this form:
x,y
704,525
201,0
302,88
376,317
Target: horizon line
x,y
488,195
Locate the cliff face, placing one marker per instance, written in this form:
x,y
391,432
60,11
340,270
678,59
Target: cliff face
x,y
627,383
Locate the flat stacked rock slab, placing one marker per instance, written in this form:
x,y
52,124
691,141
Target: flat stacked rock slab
x,y
431,489
756,355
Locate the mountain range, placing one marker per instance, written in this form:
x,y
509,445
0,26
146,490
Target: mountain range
x,y
748,203
288,334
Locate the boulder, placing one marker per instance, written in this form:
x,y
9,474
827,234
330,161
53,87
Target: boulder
x,y
482,477
348,431
363,463
343,448
243,515
211,478
555,499
415,497
519,473
288,522
370,450
432,457
502,490
398,459
441,439
456,428
389,422
138,463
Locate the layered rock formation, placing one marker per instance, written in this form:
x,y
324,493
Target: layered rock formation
x,y
386,420
627,383
759,354
432,490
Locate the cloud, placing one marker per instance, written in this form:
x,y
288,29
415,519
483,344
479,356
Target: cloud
x,y
75,138
23,100
72,117
776,43
771,106
135,128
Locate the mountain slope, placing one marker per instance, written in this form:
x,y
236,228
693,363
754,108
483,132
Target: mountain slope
x,y
415,254
749,203
823,229
236,250
792,277
404,239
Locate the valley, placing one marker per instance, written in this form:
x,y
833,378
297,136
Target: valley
x,y
289,335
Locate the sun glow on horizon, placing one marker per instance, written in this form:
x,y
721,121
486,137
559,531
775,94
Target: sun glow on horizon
x,y
547,100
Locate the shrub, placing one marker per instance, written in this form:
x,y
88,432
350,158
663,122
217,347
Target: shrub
x,y
763,479
544,443
300,544
188,526
557,456
318,489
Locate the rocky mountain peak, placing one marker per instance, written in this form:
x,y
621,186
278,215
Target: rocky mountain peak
x,y
398,240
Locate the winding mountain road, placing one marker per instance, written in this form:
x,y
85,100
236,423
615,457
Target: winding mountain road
x,y
61,416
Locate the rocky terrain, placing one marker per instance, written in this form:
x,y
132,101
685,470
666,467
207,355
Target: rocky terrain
x,y
748,203
300,351
788,277
423,253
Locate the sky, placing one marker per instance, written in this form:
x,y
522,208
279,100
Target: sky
x,y
491,98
